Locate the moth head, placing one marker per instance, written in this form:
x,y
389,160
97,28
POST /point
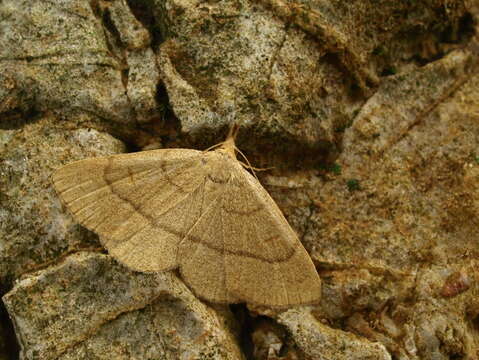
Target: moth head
x,y
228,145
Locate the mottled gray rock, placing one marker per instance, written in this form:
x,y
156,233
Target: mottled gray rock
x,y
56,57
130,41
319,341
143,79
249,67
368,37
235,58
90,306
394,225
60,56
34,229
170,328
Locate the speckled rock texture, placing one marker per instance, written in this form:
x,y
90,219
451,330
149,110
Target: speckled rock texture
x,y
368,112
321,341
89,306
56,56
34,229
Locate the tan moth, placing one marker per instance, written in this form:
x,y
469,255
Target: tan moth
x,y
198,211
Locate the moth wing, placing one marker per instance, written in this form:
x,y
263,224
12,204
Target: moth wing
x,y
252,255
140,204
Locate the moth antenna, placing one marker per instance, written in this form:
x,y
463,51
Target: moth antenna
x,y
255,168
229,141
233,131
247,161
213,146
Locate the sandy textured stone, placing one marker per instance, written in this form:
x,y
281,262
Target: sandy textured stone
x,y
394,223
411,176
143,79
319,341
34,229
66,56
399,105
441,324
248,66
89,305
131,32
57,57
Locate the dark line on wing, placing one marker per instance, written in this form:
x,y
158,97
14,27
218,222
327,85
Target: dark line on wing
x,y
184,236
147,170
130,174
243,253
169,180
108,182
275,237
243,212
223,258
137,208
240,211
216,180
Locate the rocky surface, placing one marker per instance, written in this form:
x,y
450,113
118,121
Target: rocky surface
x,y
55,55
368,111
90,306
321,341
269,75
398,226
34,228
395,232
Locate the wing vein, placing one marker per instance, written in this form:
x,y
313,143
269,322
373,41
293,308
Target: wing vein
x,y
223,256
195,239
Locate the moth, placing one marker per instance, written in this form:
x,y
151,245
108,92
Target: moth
x,y
199,211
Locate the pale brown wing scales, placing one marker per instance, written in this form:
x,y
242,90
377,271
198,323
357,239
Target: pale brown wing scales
x,y
103,197
203,270
290,282
252,255
202,212
287,276
247,217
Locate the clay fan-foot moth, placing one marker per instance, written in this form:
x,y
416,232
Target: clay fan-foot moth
x,y
198,211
